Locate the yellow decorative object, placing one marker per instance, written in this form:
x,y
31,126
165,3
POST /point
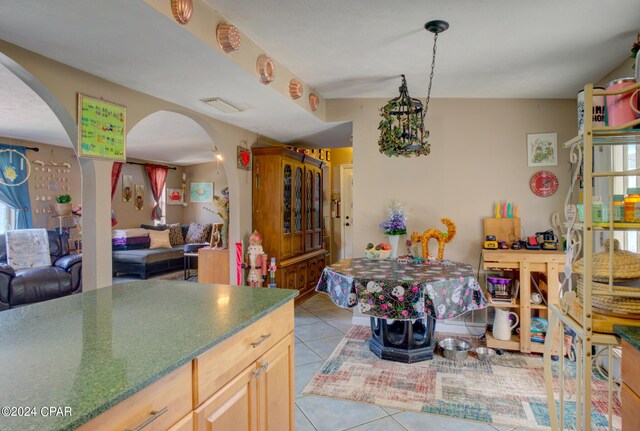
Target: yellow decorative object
x,y
441,237
10,173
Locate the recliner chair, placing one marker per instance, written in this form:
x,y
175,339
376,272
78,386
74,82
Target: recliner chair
x,y
28,286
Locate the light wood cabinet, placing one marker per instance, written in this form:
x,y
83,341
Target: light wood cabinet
x,y
213,266
525,262
244,383
630,387
234,407
288,212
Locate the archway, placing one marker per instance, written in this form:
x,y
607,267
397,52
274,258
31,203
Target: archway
x,y
178,140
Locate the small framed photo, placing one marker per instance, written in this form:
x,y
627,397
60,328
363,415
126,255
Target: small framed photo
x,y
542,149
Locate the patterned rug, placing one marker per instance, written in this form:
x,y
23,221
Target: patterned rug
x,y
508,391
178,276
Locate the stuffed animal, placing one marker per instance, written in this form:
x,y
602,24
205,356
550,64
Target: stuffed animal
x,y
441,237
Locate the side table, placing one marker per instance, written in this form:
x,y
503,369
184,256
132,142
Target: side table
x,y
187,263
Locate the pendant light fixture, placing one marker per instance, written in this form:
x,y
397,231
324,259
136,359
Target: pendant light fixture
x,y
402,128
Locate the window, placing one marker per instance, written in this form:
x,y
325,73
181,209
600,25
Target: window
x,y
624,158
7,218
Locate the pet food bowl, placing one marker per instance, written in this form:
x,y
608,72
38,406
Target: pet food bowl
x,y
455,350
374,254
485,354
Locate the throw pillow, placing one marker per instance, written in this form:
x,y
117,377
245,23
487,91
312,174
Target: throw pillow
x,y
175,234
198,233
27,248
159,239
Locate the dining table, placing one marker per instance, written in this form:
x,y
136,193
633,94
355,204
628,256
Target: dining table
x,y
403,300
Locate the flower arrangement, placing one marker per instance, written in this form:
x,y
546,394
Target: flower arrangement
x,y
396,224
635,48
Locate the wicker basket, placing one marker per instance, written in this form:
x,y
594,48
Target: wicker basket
x,y
626,269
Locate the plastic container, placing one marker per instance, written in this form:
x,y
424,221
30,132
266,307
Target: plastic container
x,y
619,110
632,205
618,208
599,213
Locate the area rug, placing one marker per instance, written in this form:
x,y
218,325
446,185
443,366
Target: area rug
x,y
509,391
177,276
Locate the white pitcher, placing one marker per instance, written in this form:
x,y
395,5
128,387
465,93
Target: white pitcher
x,y
501,328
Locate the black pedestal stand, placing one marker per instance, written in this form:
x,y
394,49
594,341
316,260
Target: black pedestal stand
x,y
402,340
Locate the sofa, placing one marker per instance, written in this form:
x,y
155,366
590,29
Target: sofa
x,y
144,261
19,287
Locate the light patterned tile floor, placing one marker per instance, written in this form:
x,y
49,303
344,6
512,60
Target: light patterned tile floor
x,y
319,327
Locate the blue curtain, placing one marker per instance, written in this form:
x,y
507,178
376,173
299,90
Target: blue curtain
x,y
13,170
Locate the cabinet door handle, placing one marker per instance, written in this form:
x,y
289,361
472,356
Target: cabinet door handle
x,y
257,373
155,414
265,366
257,343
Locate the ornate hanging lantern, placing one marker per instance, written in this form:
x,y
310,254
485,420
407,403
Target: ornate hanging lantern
x,y
402,129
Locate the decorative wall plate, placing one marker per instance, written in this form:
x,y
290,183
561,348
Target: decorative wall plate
x,y
314,102
266,69
228,37
543,184
295,89
182,10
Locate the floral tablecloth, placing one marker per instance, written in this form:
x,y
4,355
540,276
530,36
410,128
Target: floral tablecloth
x,y
399,291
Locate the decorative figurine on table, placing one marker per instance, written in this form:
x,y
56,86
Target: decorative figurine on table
x,y
414,245
256,261
272,273
441,237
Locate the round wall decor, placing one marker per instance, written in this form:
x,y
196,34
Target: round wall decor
x,y
314,101
295,89
266,69
182,10
228,37
543,184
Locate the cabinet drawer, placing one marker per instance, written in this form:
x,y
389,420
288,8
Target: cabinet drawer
x,y
219,365
172,392
630,410
630,361
186,424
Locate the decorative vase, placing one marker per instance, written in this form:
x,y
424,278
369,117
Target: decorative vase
x,y
394,240
63,209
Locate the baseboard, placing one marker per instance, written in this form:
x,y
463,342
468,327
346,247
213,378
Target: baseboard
x,y
472,329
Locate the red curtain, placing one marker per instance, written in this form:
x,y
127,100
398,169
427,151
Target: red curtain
x,y
115,176
157,177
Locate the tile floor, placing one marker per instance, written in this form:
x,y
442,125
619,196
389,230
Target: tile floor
x,y
319,327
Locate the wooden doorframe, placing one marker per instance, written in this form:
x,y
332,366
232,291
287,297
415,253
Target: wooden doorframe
x,y
344,206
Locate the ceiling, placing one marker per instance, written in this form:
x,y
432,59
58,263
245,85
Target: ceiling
x,y
358,48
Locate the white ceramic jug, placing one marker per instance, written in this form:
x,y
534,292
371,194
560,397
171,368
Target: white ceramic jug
x,y
501,325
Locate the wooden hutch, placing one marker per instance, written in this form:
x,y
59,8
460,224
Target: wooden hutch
x,y
287,211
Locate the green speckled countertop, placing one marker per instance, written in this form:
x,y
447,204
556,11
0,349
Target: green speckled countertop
x,y
629,333
93,350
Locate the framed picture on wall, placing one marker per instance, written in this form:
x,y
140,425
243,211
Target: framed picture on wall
x,y
542,149
138,203
174,197
127,188
201,192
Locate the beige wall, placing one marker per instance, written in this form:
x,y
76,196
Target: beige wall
x,y
204,173
339,156
49,183
478,156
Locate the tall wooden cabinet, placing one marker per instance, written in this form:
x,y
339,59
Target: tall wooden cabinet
x,y
287,211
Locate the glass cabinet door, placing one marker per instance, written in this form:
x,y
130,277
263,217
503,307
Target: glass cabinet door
x,y
308,201
297,207
286,202
317,184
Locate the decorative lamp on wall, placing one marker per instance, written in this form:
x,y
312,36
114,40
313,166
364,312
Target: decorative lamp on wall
x,y
182,10
402,128
295,89
228,37
266,69
314,102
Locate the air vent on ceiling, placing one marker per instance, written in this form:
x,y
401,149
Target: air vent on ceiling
x,y
224,106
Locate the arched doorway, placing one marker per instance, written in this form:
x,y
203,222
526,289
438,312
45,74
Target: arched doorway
x,y
173,139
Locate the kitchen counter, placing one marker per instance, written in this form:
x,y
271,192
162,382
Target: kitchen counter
x,y
629,333
67,360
